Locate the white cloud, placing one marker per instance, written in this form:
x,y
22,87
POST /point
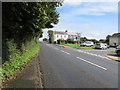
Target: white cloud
x,y
78,2
94,9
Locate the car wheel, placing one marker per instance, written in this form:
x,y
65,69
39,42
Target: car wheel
x,y
118,53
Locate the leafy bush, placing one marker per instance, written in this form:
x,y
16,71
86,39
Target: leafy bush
x,y
18,59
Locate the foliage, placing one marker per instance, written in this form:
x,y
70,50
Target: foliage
x,y
50,33
27,18
71,41
18,60
102,41
83,39
21,27
45,39
24,21
94,40
61,39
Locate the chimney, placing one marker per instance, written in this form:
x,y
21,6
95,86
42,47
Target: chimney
x,y
66,31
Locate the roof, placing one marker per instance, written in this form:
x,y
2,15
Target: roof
x,y
71,33
116,35
60,32
66,33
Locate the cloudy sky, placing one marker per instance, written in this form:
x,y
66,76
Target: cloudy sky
x,y
93,20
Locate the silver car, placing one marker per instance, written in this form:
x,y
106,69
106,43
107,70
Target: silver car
x,y
101,46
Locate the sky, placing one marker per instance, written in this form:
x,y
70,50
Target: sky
x,y
94,20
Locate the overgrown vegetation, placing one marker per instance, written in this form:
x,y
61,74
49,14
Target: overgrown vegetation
x,y
18,59
22,26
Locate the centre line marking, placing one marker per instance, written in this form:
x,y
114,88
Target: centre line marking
x,y
67,53
92,63
62,51
56,48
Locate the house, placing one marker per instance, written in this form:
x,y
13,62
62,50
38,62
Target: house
x,y
75,36
59,35
65,35
114,40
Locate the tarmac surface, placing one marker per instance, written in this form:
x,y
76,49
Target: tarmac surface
x,y
76,68
65,67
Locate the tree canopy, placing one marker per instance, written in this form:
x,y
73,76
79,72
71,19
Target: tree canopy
x,y
21,19
23,22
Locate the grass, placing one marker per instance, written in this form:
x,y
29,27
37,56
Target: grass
x,y
19,60
78,46
112,51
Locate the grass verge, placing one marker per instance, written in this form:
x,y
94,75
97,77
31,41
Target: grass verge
x,y
78,46
112,51
18,60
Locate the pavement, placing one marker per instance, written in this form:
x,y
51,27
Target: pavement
x,y
30,77
76,68
114,57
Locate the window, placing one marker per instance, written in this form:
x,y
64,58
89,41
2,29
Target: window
x,y
57,36
65,36
61,36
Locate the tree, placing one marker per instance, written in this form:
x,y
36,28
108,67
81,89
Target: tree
x,y
94,40
107,39
83,39
26,18
102,41
50,34
45,39
24,21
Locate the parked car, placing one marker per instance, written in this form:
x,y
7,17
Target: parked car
x,y
118,50
82,44
101,46
87,43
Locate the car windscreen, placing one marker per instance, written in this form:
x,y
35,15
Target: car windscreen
x,y
88,42
97,43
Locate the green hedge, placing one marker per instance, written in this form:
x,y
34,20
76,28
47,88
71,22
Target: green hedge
x,y
18,59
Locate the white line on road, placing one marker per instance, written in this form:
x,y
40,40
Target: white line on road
x,y
56,48
65,52
92,63
94,54
62,51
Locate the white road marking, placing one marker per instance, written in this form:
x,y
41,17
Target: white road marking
x,y
84,52
93,54
92,63
62,51
88,53
65,52
56,48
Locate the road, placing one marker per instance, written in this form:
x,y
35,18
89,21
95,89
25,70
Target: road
x,y
100,51
74,68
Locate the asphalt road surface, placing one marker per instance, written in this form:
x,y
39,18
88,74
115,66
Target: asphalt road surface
x,y
75,68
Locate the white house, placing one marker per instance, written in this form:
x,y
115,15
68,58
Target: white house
x,y
60,35
65,35
74,36
114,39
